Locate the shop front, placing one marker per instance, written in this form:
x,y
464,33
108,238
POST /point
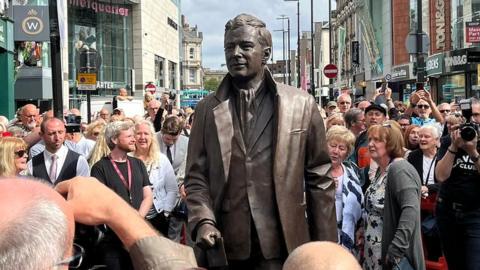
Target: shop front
x,y
402,82
103,28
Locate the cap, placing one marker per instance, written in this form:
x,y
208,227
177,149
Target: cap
x,y
331,104
376,107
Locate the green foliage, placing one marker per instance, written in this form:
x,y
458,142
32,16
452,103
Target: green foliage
x,y
211,84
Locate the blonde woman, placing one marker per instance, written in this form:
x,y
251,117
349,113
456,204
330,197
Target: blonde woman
x,y
100,149
94,130
348,195
13,156
161,175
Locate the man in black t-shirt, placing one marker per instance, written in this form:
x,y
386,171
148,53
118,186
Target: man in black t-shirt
x,y
458,205
128,177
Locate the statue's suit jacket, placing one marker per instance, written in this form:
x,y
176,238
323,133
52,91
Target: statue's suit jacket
x,y
300,164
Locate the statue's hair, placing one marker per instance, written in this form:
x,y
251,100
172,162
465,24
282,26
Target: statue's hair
x,y
36,239
265,38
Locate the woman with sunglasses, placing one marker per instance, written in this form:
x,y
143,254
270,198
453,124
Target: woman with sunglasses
x,y
161,175
392,203
13,156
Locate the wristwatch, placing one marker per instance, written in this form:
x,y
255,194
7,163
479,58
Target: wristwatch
x,y
475,158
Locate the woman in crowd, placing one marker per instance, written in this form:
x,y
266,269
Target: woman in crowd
x,y
348,196
94,129
13,156
161,175
392,203
411,138
100,149
335,120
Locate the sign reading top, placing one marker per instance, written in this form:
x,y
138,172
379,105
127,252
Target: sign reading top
x,y
99,7
31,23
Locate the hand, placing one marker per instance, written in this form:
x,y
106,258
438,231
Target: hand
x,y
425,95
414,98
424,191
388,93
457,142
91,201
206,236
183,193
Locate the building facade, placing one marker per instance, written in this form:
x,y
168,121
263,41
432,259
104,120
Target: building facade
x,y
191,57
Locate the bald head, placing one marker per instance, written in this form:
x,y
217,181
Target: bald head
x,y
36,229
321,256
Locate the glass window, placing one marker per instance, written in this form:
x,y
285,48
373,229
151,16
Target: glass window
x,y
172,67
192,53
193,75
451,87
160,71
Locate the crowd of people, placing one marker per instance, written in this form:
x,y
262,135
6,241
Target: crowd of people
x,y
253,180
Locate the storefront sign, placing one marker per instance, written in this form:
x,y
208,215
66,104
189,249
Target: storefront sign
x,y
400,73
31,23
440,24
472,30
434,64
457,61
98,7
3,34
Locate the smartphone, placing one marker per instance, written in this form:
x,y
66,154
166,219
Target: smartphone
x,y
384,87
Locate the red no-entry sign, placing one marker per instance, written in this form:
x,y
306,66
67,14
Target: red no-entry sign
x,y
330,71
150,87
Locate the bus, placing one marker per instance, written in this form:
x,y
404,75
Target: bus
x,y
190,97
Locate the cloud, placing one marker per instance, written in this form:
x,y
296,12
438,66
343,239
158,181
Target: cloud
x,y
211,15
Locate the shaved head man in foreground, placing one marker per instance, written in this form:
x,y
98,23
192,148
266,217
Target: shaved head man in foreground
x,y
37,226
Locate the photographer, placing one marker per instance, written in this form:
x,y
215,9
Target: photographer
x,y
458,208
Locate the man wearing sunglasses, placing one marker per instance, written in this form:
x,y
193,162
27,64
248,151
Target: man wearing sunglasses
x,y
37,228
422,104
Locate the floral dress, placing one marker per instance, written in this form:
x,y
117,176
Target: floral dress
x,y
374,204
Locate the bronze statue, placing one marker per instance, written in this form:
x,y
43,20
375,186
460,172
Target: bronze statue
x,y
256,146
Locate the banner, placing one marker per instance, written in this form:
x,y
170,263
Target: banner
x,y
472,30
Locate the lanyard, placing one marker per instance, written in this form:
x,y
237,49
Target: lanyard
x,y
429,169
128,184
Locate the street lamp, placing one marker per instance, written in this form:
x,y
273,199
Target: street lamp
x,y
283,51
286,70
56,60
298,40
312,75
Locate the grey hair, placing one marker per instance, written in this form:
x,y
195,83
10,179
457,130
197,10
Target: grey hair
x,y
433,128
35,240
264,36
351,116
113,129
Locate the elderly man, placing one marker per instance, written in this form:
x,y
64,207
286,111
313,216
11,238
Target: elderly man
x,y
422,104
344,102
37,228
331,108
250,160
104,114
29,123
355,121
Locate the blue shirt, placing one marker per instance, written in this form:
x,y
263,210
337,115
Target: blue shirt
x,y
420,121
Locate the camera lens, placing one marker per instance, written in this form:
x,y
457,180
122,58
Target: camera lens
x,y
468,133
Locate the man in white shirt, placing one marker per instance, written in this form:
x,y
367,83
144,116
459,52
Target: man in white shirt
x,y
56,163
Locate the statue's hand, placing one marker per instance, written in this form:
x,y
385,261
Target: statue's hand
x,y
206,236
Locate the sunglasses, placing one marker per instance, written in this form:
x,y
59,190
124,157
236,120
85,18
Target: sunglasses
x,y
423,106
21,153
444,111
343,102
96,134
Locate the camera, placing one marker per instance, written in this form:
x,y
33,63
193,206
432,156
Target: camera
x,y
73,123
469,130
172,95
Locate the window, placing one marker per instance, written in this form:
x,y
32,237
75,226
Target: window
x,y
172,68
192,53
160,71
172,23
193,75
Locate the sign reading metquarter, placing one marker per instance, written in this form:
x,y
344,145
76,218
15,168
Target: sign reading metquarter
x,y
98,6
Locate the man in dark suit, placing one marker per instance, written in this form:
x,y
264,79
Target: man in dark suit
x,y
255,147
56,163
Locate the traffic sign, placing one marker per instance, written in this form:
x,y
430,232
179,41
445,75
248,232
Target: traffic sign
x,y
87,81
330,71
388,77
150,87
411,43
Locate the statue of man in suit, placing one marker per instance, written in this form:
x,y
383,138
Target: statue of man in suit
x,y
256,146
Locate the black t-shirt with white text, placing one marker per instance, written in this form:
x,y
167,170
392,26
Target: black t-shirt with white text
x,y
463,185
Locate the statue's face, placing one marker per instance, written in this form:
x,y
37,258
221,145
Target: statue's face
x,y
243,52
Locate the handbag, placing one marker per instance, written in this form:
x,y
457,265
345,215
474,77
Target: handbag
x,y
404,264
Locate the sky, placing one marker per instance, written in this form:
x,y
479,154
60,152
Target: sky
x,y
211,15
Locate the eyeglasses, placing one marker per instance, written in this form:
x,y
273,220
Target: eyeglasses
x,y
343,102
423,106
475,114
21,153
75,261
444,111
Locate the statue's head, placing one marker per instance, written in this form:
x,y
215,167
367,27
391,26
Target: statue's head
x,y
248,46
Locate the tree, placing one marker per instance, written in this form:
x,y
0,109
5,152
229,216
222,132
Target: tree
x,y
211,84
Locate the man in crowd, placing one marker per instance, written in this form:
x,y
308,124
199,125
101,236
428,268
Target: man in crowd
x,y
422,104
344,102
128,177
82,145
404,122
29,122
363,105
56,163
250,160
122,96
104,114
331,108
37,228
355,121
174,145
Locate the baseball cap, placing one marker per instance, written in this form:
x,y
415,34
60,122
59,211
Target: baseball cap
x,y
376,107
331,104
